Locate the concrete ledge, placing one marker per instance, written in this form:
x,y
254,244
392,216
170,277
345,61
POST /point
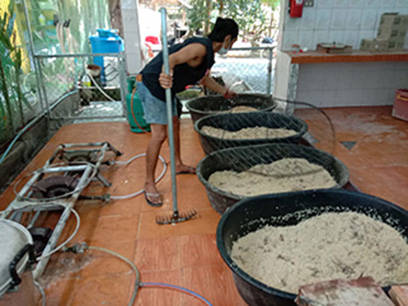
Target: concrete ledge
x,y
34,140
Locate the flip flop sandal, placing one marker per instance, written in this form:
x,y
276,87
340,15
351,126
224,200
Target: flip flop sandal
x,y
191,171
155,195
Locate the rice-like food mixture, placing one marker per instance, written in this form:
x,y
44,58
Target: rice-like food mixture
x,y
259,132
237,109
330,246
284,175
243,109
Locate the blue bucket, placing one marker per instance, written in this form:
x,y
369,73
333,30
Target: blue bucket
x,y
107,41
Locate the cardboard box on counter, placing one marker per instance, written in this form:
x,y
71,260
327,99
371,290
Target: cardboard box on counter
x,y
393,20
389,33
395,45
393,26
381,45
367,44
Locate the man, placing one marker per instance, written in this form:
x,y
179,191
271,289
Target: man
x,y
190,62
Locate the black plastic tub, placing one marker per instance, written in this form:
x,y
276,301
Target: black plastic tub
x,y
242,158
209,105
238,121
246,215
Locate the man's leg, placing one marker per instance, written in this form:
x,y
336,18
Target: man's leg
x,y
158,136
180,167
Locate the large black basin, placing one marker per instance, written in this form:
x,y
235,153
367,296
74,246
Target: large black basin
x,y
238,121
242,158
209,105
246,217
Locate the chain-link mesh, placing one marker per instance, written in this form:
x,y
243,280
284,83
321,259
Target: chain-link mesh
x,y
260,152
19,101
244,70
101,91
247,70
59,75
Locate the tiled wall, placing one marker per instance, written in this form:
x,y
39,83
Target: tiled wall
x,y
343,21
351,84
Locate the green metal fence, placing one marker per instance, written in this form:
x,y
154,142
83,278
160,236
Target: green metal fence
x,y
29,27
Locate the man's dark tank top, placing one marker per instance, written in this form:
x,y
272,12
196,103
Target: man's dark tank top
x,y
183,74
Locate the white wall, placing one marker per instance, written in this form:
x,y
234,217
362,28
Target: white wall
x,y
131,29
351,84
343,21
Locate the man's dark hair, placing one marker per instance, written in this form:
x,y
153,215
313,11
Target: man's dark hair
x,y
222,28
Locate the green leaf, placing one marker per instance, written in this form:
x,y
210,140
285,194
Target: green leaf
x,y
5,40
17,59
10,25
3,21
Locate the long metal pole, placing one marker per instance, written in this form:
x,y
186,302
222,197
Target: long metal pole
x,y
100,20
68,55
52,242
47,104
122,80
89,117
169,111
269,78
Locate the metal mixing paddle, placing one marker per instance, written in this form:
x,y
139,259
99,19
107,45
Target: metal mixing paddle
x,y
176,216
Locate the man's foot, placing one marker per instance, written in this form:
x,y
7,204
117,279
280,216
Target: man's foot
x,y
152,196
153,199
183,169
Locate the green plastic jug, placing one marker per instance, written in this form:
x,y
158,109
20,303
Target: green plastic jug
x,y
135,109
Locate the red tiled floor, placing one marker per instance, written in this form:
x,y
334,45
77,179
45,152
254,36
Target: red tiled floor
x,y
378,163
159,296
390,183
105,264
158,254
60,291
186,254
205,223
215,283
92,263
102,290
199,250
114,228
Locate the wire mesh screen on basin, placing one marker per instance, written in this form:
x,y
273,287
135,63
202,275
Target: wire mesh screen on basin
x,y
236,122
243,158
289,209
210,105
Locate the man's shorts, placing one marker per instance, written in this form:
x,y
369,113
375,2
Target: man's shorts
x,y
155,110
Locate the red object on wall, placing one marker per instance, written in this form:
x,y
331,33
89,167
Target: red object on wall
x,y
400,109
152,39
296,8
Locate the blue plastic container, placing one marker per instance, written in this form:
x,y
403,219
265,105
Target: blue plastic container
x,y
107,41
107,32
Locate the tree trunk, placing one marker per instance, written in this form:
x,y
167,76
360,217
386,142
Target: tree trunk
x,y
116,15
270,26
207,19
221,3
